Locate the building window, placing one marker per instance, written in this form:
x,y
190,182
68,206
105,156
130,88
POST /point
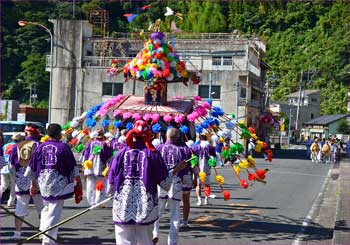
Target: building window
x,y
243,94
221,61
313,99
255,95
227,61
203,91
216,61
112,89
312,116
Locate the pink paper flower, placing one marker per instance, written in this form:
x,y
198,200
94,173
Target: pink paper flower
x,y
206,105
191,117
127,115
197,98
167,118
179,119
155,118
147,117
116,113
102,112
201,111
195,114
136,116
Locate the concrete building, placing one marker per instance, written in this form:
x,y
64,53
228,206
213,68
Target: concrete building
x,y
323,126
308,110
230,65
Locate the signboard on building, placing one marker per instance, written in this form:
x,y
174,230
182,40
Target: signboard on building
x,y
21,116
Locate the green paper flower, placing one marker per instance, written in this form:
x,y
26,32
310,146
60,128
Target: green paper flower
x,y
212,162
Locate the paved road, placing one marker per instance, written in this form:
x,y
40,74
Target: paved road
x,y
271,213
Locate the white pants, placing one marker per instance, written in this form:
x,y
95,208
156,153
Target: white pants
x,y
23,203
92,195
319,156
314,156
133,234
218,160
50,215
327,157
174,206
8,180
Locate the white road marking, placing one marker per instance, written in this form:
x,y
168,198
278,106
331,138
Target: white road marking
x,y
312,212
296,173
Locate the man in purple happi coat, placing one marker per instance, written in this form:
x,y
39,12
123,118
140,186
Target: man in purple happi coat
x,y
173,155
19,159
98,152
133,178
204,150
55,170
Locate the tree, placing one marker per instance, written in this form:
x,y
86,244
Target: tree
x,y
344,127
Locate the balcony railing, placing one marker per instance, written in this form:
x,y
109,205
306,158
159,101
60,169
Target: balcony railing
x,y
104,62
184,35
251,103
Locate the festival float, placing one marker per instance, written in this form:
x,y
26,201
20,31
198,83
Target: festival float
x,y
156,66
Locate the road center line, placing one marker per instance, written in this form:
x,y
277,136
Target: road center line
x,y
296,173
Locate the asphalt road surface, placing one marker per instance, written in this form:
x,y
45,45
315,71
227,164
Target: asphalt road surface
x,y
264,213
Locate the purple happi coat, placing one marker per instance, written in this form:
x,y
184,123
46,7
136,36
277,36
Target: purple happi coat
x,y
22,182
54,167
135,174
172,156
99,161
187,177
204,150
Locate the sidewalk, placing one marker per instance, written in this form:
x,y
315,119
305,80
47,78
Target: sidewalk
x,y
342,218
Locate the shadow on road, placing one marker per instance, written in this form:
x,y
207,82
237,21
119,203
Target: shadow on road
x,y
265,230
289,154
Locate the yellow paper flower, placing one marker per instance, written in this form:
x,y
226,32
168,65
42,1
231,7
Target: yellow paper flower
x,y
236,169
44,138
219,179
251,161
202,176
254,136
110,128
244,164
105,171
258,145
88,164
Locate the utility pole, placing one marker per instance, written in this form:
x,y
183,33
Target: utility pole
x,y
73,10
30,94
237,104
210,84
289,123
34,95
299,99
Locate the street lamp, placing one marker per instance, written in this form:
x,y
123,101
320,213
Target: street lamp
x,y
23,23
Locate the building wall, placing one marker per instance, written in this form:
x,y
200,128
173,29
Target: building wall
x,y
67,67
333,127
9,109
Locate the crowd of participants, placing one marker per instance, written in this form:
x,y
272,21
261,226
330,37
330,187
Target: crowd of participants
x,y
144,177
321,150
